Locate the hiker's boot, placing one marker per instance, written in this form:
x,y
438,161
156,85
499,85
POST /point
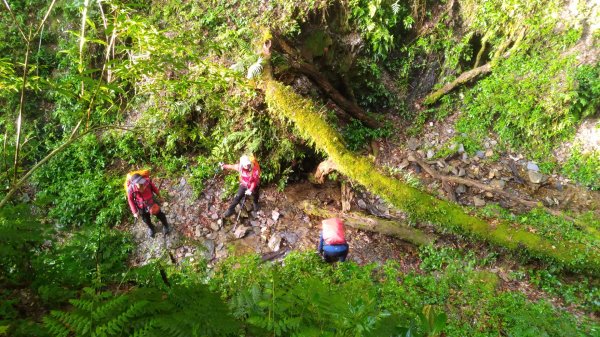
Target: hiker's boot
x,y
152,231
229,212
167,229
255,207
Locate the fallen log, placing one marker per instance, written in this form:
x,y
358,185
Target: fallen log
x,y
361,221
421,207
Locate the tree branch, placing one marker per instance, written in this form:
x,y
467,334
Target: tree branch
x,y
312,72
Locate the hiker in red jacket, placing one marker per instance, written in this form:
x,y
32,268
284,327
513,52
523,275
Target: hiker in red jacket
x,y
332,242
249,182
140,197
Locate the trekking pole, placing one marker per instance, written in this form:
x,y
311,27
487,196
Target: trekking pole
x,y
241,207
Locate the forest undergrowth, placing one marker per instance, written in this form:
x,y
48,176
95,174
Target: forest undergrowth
x,y
91,90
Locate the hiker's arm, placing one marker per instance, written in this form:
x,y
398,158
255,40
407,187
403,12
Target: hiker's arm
x,y
233,167
131,204
254,180
154,189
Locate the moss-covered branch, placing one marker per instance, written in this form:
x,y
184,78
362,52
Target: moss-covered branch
x,y
284,102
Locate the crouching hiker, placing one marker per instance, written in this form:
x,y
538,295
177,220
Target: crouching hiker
x,y
140,195
332,242
249,182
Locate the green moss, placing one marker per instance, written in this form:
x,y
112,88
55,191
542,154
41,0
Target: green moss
x,y
285,103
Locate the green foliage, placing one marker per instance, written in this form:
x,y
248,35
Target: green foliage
x,y
357,135
181,311
376,20
21,235
75,184
80,260
584,168
304,296
514,102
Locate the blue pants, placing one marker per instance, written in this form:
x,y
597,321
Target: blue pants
x,y
333,253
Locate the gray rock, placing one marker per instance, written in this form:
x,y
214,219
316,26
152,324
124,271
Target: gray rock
x,y
412,144
461,148
240,232
430,154
559,186
461,172
460,189
215,226
275,215
182,182
254,223
499,184
275,242
214,216
198,231
480,154
532,166
361,204
290,237
535,176
404,164
210,249
478,202
411,158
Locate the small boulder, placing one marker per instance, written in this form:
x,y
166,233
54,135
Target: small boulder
x,y
535,176
361,204
240,232
275,242
498,184
412,144
478,202
531,166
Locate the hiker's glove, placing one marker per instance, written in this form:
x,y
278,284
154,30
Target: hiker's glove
x,y
248,192
135,215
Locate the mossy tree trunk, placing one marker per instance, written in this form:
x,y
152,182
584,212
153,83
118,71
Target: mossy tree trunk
x,y
284,102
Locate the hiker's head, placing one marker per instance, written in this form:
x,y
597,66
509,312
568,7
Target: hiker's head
x,y
245,162
139,181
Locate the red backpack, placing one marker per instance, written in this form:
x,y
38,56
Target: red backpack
x,y
333,231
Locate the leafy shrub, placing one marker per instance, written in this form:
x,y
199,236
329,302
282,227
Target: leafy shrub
x,y
584,168
81,259
357,135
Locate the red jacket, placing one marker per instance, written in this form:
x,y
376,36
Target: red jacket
x,y
248,178
333,231
141,200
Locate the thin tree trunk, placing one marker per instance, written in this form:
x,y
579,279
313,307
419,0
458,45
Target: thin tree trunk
x,y
463,78
21,103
